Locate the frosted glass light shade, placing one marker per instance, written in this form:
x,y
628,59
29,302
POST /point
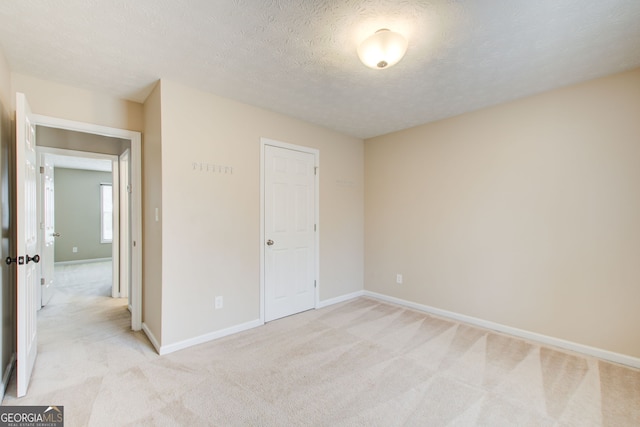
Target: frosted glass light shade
x,y
383,49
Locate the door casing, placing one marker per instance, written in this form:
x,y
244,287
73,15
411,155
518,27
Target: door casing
x,y
46,241
115,174
316,154
125,216
136,198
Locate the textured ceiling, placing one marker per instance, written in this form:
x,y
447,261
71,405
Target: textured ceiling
x,y
299,57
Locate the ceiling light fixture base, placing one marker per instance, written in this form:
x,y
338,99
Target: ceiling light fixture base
x,y
383,49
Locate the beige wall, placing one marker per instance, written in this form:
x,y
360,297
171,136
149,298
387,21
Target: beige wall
x,y
525,214
152,229
5,82
71,103
80,141
210,226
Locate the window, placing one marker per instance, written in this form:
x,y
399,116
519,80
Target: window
x,y
106,209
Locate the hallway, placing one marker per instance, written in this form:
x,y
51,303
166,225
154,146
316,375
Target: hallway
x,y
83,334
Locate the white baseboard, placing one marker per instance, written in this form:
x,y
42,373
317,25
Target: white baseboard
x,y
532,336
151,337
341,298
6,377
166,349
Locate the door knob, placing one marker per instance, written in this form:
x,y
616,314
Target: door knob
x,y
35,258
17,260
269,242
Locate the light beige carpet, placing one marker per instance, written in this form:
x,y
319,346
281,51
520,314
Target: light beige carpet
x,y
359,363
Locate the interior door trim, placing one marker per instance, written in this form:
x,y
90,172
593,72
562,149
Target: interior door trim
x,y
136,198
115,176
316,154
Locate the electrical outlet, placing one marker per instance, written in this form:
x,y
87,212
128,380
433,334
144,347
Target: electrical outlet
x,y
74,249
399,279
219,302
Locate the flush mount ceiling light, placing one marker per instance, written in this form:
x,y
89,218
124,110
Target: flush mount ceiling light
x,y
383,49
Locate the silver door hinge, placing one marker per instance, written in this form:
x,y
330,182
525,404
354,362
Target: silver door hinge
x,y
315,170
315,284
315,227
129,189
42,281
41,169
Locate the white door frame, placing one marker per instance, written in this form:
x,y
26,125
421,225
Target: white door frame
x,y
136,198
125,214
316,154
115,177
42,231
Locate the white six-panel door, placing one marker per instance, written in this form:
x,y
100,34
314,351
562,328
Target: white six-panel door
x,y
289,232
26,245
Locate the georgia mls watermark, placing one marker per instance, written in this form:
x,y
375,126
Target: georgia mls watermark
x,y
31,416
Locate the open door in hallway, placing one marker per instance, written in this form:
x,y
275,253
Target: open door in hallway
x,y
26,244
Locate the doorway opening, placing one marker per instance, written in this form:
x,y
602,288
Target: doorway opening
x,y
83,214
26,236
59,141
